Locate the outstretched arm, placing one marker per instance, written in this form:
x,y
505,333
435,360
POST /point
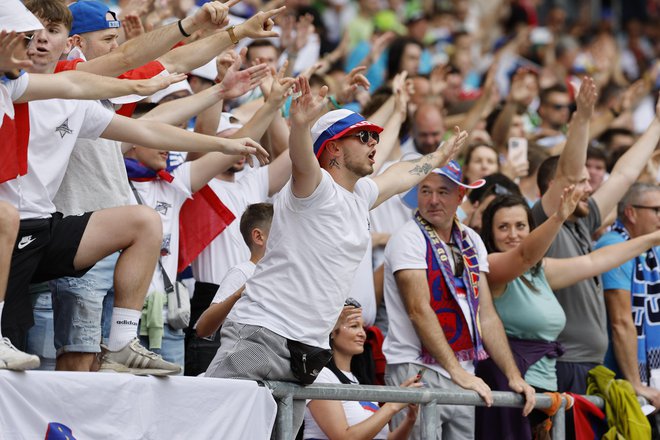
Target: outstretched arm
x,y
81,85
152,134
193,55
215,315
574,157
305,110
628,167
507,266
402,176
562,272
389,138
147,47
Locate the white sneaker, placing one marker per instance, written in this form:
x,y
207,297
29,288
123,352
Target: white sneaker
x,y
11,358
136,359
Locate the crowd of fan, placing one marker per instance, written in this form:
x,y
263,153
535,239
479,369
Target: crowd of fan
x,y
452,194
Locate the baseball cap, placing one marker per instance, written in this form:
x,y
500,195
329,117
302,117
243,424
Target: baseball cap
x,y
90,16
453,172
208,71
14,16
228,122
335,124
172,88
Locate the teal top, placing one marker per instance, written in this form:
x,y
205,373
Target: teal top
x,y
528,314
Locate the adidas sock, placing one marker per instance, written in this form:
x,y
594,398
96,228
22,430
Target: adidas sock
x,y
2,305
124,327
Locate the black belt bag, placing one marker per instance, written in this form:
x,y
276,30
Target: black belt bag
x,y
307,361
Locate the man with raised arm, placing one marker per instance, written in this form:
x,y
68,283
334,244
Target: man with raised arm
x,y
279,328
585,335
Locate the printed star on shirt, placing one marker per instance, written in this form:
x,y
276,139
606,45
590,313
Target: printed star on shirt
x,y
64,129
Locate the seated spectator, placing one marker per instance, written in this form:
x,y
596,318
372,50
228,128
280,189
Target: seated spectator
x,y
255,227
334,419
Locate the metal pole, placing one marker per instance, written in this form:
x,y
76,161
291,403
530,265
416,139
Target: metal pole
x,y
429,419
559,422
284,421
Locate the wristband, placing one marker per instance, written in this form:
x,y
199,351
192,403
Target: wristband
x,y
184,33
334,102
232,35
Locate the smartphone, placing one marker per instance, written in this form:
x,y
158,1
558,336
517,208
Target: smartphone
x,y
420,374
517,150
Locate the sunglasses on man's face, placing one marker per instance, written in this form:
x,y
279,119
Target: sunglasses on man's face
x,y
364,136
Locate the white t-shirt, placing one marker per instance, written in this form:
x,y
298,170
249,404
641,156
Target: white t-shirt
x,y
407,250
314,248
234,280
362,288
355,412
7,96
229,249
166,199
55,125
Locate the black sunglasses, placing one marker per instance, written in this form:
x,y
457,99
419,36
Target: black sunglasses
x,y
656,209
457,255
560,106
364,136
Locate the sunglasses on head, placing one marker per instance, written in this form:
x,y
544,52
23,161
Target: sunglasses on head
x,y
364,136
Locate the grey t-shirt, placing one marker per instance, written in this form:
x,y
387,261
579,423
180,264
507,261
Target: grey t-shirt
x,y
585,334
95,178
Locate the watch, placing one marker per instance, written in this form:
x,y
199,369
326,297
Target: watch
x,y
232,35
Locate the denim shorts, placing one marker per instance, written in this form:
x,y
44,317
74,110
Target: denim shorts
x,y
82,308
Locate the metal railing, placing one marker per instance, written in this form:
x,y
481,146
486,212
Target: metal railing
x,y
285,393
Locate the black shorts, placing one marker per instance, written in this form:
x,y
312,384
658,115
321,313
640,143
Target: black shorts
x,y
44,250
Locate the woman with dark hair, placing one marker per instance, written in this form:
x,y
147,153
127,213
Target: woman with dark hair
x,y
481,160
521,282
334,419
404,54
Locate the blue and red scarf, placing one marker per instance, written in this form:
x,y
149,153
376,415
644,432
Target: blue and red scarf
x,y
445,288
140,173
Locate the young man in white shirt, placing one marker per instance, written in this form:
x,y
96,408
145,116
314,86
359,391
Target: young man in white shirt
x,y
77,242
450,326
319,234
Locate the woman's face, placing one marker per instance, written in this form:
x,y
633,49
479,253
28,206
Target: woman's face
x,y
510,227
483,162
349,338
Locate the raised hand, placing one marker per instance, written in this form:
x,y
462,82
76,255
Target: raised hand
x,y
260,25
243,147
213,14
586,98
454,145
280,87
132,26
147,87
520,93
237,82
354,79
8,43
569,201
306,107
401,93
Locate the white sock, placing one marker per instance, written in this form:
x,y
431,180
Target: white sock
x,y
2,305
124,327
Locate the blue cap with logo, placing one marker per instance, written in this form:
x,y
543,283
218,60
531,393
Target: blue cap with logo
x,y
90,16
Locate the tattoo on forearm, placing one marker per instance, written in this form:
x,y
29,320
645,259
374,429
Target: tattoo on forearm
x,y
334,164
422,166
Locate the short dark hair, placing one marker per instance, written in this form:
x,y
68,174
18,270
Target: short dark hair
x,y
261,43
608,135
52,11
596,153
546,173
496,183
257,215
545,93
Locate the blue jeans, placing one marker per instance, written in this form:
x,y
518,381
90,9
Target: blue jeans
x,y
172,348
40,336
83,308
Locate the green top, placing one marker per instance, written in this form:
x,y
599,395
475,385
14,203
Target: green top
x,y
528,314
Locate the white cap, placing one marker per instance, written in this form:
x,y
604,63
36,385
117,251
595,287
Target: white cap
x,y
208,71
228,122
172,88
14,16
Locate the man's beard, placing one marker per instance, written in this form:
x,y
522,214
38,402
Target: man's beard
x,y
581,210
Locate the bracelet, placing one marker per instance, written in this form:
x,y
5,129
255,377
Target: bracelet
x,y
232,35
615,113
184,33
334,102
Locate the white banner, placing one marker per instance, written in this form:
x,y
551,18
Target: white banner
x,y
39,405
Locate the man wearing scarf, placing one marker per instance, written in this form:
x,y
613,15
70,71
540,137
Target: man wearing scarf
x,y
632,295
442,319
